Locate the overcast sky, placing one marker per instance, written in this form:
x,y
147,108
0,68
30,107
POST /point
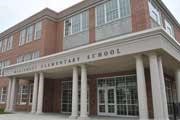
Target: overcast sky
x,y
14,11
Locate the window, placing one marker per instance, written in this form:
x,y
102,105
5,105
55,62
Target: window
x,y
29,35
4,63
35,55
118,95
23,94
77,23
100,15
28,56
112,10
169,28
124,8
10,43
1,44
37,33
3,95
30,93
4,47
154,13
22,38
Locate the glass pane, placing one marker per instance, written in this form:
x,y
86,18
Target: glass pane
x,y
112,10
101,96
111,108
101,108
121,110
111,96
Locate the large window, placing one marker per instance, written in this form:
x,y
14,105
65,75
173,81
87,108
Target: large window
x,y
4,63
67,97
76,24
38,29
169,28
3,95
28,56
154,12
170,94
6,44
23,94
118,96
22,37
10,43
26,35
112,10
29,35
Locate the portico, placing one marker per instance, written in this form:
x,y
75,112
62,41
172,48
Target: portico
x,y
116,70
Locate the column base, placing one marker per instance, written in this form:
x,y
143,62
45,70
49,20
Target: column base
x,y
39,113
73,117
83,118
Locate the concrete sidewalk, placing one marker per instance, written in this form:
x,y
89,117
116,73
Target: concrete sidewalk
x,y
49,116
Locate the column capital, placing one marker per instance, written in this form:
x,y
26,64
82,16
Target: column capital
x,y
151,54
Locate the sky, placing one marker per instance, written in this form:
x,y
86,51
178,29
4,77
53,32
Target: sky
x,y
14,11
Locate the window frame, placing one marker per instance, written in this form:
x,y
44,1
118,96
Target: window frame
x,y
71,23
105,13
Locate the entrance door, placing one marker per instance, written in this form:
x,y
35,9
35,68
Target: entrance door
x,y
107,101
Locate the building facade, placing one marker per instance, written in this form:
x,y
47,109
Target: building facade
x,y
118,58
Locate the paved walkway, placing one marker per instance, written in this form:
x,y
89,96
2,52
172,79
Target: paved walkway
x,y
29,116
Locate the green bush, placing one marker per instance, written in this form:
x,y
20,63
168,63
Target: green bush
x,y
1,110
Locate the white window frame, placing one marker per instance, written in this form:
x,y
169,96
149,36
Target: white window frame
x,y
105,12
10,43
106,87
29,34
31,93
38,31
154,13
71,22
21,93
2,94
22,37
169,28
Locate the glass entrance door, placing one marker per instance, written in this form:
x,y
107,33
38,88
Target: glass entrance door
x,y
107,101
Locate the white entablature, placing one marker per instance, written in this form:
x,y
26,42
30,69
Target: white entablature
x,y
148,40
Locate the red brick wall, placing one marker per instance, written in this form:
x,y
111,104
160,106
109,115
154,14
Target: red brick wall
x,y
92,25
140,15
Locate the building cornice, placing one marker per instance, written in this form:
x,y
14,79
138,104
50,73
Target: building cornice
x,y
144,41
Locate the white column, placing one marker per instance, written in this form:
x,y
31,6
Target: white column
x,y
163,88
74,113
8,95
13,95
40,93
84,112
156,84
178,84
141,84
35,93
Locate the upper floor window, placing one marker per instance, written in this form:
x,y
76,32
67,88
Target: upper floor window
x,y
112,10
3,94
6,44
154,13
37,31
10,43
29,35
22,37
26,35
28,56
77,23
169,28
4,63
